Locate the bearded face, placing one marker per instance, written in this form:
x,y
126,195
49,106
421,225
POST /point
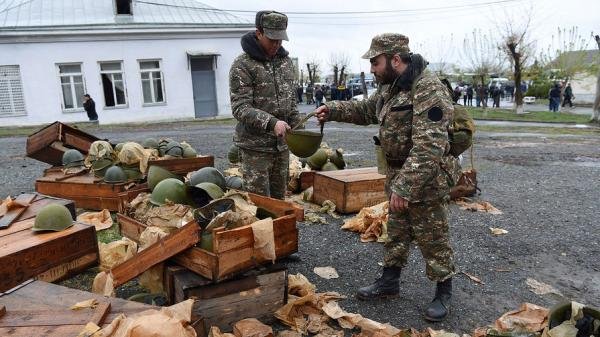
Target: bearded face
x,y
381,67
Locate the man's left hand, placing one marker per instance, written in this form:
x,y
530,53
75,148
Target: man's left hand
x,y
397,203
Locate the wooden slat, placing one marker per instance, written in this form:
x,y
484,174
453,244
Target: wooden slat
x,y
12,215
55,317
199,261
69,269
176,242
183,166
40,201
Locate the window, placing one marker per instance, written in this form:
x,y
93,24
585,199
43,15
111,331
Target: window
x,y
73,88
12,100
113,84
153,88
123,7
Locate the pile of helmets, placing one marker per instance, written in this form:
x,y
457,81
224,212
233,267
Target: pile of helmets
x,y
167,147
326,160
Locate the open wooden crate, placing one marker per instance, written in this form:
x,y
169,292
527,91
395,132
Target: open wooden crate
x,y
233,250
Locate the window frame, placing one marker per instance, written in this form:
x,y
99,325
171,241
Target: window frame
x,y
151,79
111,73
11,93
77,100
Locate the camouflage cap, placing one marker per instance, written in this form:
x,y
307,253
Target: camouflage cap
x,y
273,24
388,43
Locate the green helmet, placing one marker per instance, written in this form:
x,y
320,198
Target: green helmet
x,y
206,241
53,217
72,158
214,191
115,175
162,145
132,171
208,174
303,143
189,152
337,158
234,182
150,143
174,149
329,166
170,189
234,154
100,166
204,215
318,159
562,312
156,174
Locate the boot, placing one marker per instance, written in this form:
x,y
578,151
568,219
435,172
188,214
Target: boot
x,y
388,285
439,308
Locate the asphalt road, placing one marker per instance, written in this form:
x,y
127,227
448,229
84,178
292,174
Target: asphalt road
x,y
547,187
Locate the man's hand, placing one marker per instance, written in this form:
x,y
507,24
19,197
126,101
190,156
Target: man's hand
x,y
322,113
397,203
281,128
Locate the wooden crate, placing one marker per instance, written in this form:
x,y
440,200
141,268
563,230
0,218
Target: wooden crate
x,y
307,179
257,295
233,249
183,166
87,191
49,143
39,201
350,190
25,253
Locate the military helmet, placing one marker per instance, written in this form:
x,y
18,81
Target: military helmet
x,y
234,182
132,171
53,217
562,312
162,145
100,166
208,174
204,215
329,166
174,149
156,174
170,189
119,147
213,190
303,143
115,175
72,158
150,143
318,159
337,158
234,154
189,151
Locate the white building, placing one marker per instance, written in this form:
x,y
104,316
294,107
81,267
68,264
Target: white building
x,y
139,60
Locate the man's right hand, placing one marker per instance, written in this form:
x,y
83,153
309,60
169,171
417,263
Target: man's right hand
x,y
322,113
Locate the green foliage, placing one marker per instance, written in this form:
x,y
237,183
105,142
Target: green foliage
x,y
539,88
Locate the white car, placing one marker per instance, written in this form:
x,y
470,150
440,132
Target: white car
x,y
360,97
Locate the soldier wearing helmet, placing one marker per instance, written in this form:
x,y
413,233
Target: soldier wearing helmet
x,y
263,101
413,110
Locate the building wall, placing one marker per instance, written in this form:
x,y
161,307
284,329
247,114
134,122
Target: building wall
x,y
584,88
42,90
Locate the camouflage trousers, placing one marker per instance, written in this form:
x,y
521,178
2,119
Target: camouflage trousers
x,y
265,173
426,224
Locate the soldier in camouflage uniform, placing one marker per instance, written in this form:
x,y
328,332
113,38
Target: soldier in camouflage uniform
x,y
413,110
263,100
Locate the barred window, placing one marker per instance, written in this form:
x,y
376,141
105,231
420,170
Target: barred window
x,y
12,99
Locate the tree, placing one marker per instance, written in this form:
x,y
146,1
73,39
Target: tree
x,y
482,56
314,70
566,56
517,46
596,106
441,55
339,64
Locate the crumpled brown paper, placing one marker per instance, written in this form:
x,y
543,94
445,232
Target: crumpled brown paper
x,y
370,222
329,207
169,216
104,284
264,239
116,252
326,272
91,303
477,206
529,317
133,153
99,149
231,219
299,285
216,332
89,330
251,327
295,168
232,171
242,202
152,279
9,204
170,321
139,207
101,220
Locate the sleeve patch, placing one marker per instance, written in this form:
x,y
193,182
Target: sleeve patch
x,y
435,114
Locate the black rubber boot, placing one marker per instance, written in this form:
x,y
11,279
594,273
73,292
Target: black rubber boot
x,y
439,308
388,285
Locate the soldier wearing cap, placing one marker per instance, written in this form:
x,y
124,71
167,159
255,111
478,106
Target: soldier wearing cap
x,y
263,100
413,110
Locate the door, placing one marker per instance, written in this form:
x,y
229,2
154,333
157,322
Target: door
x,y
203,83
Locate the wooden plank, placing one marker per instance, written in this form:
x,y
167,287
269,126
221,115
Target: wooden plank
x,y
176,242
25,254
307,179
55,317
69,269
225,303
170,271
42,200
183,166
41,145
199,261
2,310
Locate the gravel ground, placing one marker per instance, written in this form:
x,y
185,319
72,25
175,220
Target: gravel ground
x,y
546,185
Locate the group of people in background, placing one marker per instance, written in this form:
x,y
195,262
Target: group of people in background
x,y
315,94
482,94
556,95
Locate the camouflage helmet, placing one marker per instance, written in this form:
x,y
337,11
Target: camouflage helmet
x,y
208,174
234,182
318,159
234,154
150,143
337,158
72,158
53,217
174,149
214,191
170,189
156,174
115,175
329,166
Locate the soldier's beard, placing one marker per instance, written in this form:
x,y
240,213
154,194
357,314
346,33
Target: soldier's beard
x,y
389,76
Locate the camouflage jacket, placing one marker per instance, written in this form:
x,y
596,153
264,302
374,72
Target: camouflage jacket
x,y
262,92
413,131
